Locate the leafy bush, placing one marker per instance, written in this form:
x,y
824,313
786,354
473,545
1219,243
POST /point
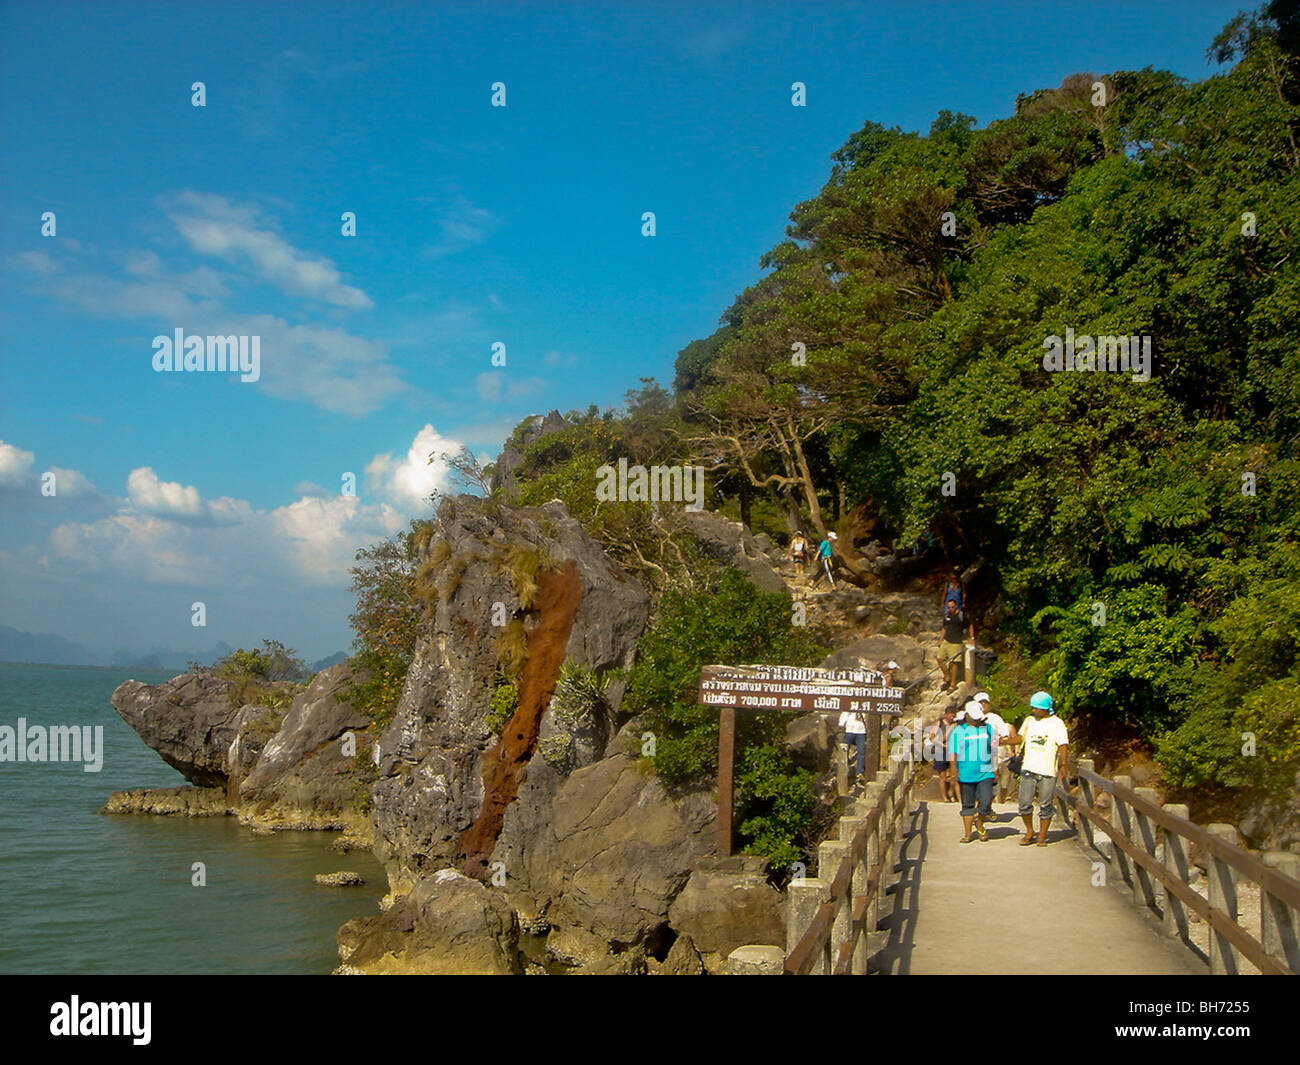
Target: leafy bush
x,y
732,622
779,804
268,664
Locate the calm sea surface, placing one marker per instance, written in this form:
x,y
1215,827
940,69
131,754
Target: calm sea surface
x,y
82,892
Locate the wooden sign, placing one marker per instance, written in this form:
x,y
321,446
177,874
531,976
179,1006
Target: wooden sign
x,y
786,688
799,689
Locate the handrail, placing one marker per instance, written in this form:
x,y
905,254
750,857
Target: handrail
x,y
1277,952
857,883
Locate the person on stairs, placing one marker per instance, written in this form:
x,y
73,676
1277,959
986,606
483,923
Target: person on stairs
x,y
824,559
799,552
1046,749
853,729
971,746
953,592
951,645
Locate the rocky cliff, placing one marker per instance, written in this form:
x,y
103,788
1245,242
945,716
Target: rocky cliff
x,y
551,808
293,768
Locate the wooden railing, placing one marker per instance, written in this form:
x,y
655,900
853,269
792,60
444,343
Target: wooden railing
x,y
830,915
1140,823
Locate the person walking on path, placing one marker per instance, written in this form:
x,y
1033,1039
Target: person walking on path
x,y
937,750
953,592
824,559
972,750
1046,749
951,647
799,552
1005,739
853,728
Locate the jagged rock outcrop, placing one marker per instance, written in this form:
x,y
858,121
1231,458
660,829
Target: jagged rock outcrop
x,y
440,761
503,470
448,925
272,767
615,853
189,720
731,544
550,809
872,652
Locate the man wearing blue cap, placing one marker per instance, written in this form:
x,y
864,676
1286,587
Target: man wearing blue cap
x,y
1046,745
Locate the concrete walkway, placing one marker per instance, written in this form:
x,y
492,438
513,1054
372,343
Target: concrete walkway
x,y
996,907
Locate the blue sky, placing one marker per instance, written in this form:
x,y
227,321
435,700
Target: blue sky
x,y
475,224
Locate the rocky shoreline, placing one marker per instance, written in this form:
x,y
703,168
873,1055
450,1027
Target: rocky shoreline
x,y
539,844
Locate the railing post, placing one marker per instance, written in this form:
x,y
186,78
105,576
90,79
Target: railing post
x,y
1174,916
805,895
1223,896
1123,822
1085,798
1279,922
896,805
1144,884
849,827
870,798
842,769
830,852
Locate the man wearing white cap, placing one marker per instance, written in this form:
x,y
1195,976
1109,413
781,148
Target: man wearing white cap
x,y
971,743
1004,739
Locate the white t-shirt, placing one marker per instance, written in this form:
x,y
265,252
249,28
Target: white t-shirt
x,y
850,722
1001,730
1042,737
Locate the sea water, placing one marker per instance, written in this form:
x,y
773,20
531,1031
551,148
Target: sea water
x,y
89,893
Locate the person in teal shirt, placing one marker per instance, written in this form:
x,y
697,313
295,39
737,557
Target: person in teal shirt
x,y
823,557
971,744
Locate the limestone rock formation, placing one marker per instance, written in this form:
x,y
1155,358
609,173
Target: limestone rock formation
x,y
447,925
189,720
447,780
731,544
270,766
303,765
503,472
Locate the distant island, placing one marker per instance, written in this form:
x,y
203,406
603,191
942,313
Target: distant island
x,y
49,649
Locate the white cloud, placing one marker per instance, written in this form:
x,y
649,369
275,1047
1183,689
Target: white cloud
x,y
494,385
149,494
19,473
72,484
15,465
408,483
212,225
37,262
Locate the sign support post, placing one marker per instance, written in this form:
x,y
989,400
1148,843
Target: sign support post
x,y
726,777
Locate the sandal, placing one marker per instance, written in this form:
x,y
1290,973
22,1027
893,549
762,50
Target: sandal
x,y
1028,841
1042,843
984,835
966,839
